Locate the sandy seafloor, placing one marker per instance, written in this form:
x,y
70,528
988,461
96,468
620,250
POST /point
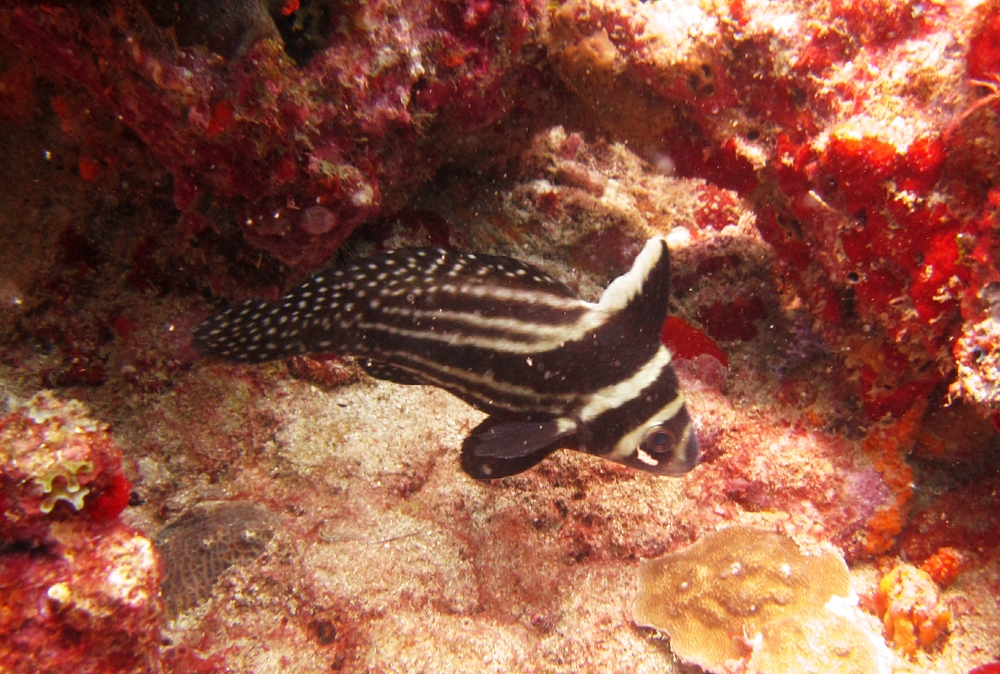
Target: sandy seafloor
x,y
388,558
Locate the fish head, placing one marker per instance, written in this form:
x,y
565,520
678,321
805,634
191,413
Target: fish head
x,y
667,444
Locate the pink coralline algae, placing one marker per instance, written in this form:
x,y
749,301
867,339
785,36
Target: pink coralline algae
x,y
77,586
301,153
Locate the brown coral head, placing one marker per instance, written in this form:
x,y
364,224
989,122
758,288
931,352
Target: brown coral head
x,y
201,544
717,595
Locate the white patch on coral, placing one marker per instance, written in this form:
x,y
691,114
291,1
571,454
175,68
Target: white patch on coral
x,y
678,237
847,608
679,24
135,561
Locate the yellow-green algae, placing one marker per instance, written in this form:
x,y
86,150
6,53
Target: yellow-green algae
x,y
715,597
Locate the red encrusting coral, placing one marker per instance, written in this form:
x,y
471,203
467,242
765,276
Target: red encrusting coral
x,y
888,447
943,566
988,668
87,601
983,60
733,320
962,520
352,131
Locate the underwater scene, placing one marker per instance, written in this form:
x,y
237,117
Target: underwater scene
x,y
569,336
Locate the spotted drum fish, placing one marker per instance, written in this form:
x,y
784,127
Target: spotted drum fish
x,y
551,370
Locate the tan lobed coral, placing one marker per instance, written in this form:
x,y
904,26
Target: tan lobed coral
x,y
716,596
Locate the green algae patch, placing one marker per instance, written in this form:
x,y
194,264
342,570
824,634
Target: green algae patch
x,y
715,597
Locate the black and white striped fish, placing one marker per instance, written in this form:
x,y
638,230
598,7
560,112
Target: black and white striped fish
x,y
552,370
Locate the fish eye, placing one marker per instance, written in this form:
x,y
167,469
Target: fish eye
x,y
659,439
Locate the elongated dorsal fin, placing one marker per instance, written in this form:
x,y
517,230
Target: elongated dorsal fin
x,y
646,286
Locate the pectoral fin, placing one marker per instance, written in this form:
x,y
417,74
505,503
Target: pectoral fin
x,y
516,439
501,448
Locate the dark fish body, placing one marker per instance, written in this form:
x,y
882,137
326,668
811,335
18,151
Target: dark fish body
x,y
552,370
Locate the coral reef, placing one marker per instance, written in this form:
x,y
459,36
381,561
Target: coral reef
x,y
813,642
840,123
88,600
201,544
57,462
77,586
229,27
716,596
826,177
298,154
